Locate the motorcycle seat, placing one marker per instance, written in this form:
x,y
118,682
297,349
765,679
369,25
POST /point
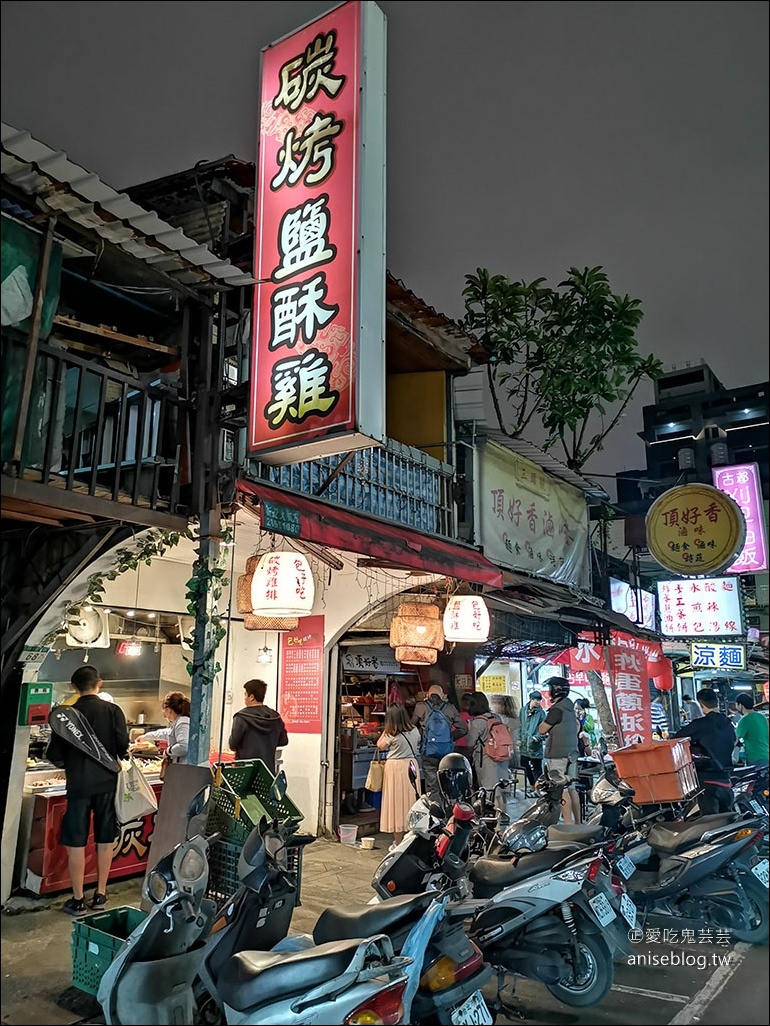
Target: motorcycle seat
x,y
488,876
364,920
673,837
577,832
281,974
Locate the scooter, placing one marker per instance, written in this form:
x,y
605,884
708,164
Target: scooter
x,y
706,869
150,982
399,962
558,917
447,970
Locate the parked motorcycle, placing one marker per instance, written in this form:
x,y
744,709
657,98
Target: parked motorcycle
x,y
555,916
249,971
706,869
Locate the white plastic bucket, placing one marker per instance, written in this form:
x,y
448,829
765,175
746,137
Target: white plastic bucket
x,y
348,833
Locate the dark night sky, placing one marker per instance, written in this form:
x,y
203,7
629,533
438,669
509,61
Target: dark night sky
x,y
523,137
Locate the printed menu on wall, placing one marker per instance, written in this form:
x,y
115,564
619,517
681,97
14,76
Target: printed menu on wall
x,y
300,687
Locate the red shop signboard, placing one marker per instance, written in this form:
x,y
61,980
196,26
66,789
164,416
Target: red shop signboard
x,y
300,689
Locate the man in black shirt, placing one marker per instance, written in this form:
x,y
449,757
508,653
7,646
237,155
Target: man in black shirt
x,y
712,739
90,789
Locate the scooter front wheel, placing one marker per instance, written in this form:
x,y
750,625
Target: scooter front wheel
x,y
758,927
588,982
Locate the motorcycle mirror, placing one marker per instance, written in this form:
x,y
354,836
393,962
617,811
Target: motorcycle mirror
x,y
603,747
197,812
278,787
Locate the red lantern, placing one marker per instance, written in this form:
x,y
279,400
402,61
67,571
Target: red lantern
x,y
664,679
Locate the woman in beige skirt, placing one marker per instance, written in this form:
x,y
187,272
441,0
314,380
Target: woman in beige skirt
x,y
401,742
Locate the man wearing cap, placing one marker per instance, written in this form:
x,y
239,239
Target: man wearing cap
x,y
751,730
459,728
530,741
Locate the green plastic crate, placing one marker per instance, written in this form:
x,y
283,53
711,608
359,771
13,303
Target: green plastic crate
x,y
223,870
96,940
251,778
242,798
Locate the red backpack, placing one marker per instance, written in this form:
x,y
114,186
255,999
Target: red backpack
x,y
499,743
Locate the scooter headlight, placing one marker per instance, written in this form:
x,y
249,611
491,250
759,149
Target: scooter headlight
x,y
192,865
157,887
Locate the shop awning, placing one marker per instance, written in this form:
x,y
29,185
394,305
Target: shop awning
x,y
315,521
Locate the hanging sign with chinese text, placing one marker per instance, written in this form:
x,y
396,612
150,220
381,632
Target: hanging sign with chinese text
x,y
301,684
711,608
743,485
695,530
628,675
704,656
319,303
530,520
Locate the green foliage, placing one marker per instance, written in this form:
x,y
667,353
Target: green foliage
x,y
204,589
561,356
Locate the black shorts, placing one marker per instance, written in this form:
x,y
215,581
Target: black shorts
x,y
77,819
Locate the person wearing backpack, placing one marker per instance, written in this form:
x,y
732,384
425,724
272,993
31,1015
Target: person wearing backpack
x,y
492,746
440,726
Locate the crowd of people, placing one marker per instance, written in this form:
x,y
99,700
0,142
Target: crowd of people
x,y
413,747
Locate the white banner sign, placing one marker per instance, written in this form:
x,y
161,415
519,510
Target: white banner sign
x,y
530,521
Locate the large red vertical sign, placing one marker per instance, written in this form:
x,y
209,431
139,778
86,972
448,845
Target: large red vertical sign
x,y
303,374
631,692
300,689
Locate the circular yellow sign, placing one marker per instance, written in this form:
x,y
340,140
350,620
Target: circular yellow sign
x,y
695,529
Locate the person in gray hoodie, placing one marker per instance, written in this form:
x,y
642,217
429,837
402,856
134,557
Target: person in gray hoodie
x,y
257,729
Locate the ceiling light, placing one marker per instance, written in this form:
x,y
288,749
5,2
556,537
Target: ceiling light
x,y
151,616
130,612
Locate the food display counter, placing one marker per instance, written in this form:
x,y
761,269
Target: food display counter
x,y
42,861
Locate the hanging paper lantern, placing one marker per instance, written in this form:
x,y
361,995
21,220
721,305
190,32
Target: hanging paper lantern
x,y
466,618
270,623
282,585
243,588
417,625
412,655
664,677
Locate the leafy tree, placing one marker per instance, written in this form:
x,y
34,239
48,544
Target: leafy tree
x,y
560,356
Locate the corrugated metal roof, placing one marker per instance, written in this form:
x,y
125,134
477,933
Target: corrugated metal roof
x,y
63,187
546,462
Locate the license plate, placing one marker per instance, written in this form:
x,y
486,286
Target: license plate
x,y
756,807
625,867
473,1011
628,910
760,871
602,909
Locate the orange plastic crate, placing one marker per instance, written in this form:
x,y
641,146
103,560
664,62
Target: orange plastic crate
x,y
652,757
664,787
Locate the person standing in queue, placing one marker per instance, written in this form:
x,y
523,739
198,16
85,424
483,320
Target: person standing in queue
x,y
90,790
432,749
531,741
752,730
258,731
400,740
488,772
712,739
561,744
176,709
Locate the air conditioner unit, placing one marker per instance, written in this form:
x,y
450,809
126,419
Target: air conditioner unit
x,y
87,628
186,626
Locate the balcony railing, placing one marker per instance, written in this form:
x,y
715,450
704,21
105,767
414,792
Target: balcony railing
x,y
94,430
394,481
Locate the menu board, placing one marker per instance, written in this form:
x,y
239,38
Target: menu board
x,y
300,685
